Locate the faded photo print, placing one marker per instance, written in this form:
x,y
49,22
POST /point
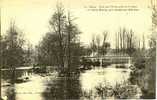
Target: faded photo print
x,y
78,49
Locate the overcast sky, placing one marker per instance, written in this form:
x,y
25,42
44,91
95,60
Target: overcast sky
x,y
32,16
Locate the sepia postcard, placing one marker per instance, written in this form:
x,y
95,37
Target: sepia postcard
x,y
78,49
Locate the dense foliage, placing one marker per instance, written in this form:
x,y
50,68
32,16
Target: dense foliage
x,y
60,47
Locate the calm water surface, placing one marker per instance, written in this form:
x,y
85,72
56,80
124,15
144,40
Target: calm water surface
x,y
48,87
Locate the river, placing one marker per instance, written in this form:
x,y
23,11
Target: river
x,y
46,87
97,76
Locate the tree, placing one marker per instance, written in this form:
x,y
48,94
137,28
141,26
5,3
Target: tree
x,y
93,44
13,54
130,43
143,43
153,38
149,73
73,44
0,59
98,44
125,41
60,46
28,54
58,25
47,50
146,66
14,47
105,44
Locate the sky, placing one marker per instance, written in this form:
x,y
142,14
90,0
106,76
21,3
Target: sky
x,y
32,17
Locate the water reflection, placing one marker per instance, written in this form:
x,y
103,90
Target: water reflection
x,y
10,93
108,83
92,78
63,88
